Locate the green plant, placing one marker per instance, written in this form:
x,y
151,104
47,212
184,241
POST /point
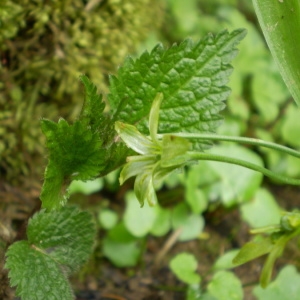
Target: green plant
x,y
182,89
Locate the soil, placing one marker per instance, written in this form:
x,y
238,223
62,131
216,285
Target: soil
x,y
151,278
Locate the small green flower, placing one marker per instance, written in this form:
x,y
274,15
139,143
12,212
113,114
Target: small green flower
x,y
158,157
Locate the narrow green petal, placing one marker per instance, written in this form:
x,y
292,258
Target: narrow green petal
x,y
138,186
174,150
134,139
133,168
161,172
144,189
154,116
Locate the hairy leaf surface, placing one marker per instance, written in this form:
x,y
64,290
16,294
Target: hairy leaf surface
x,y
74,154
192,78
59,242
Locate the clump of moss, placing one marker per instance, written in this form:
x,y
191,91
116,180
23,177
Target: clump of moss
x,y
44,46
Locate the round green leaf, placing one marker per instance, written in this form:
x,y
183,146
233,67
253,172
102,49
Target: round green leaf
x,y
107,218
184,266
225,285
138,220
285,287
261,210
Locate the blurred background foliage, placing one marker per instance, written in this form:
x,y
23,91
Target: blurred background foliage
x,y
46,45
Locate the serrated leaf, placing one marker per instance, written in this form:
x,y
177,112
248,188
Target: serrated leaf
x,y
66,235
92,110
74,154
58,243
192,78
36,275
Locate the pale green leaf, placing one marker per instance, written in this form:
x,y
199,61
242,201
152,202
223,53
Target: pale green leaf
x,y
225,261
262,210
252,250
237,184
85,187
184,265
285,287
138,220
291,126
162,222
190,224
107,218
225,285
121,254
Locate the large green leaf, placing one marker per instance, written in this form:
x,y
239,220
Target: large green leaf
x,y
192,78
280,22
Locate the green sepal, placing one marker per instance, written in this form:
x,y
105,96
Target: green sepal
x,y
290,221
135,166
134,139
174,150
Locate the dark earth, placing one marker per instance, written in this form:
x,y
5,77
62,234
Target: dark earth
x,y
151,278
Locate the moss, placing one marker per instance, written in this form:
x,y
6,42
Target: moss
x,y
44,46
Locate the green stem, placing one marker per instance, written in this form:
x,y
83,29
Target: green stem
x,y
243,140
246,164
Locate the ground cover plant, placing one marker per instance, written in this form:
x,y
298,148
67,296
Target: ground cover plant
x,y
164,110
